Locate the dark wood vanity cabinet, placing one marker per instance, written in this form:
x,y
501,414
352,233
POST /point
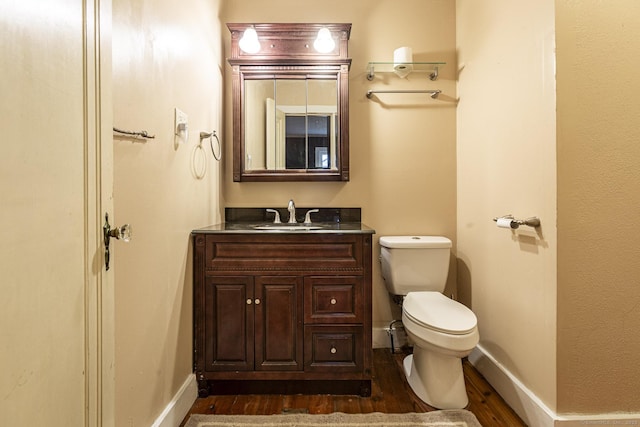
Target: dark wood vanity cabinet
x,y
282,313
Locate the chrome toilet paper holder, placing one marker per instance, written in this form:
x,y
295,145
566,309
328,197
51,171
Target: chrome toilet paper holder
x,y
515,223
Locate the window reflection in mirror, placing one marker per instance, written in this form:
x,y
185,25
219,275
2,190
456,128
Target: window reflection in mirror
x,y
291,124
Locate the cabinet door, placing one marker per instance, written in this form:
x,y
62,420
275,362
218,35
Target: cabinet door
x,y
278,328
333,299
229,323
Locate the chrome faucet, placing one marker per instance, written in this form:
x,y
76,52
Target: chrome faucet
x,y
307,217
292,212
276,220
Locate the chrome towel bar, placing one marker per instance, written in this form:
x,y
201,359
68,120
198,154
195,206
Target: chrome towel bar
x,y
134,134
433,93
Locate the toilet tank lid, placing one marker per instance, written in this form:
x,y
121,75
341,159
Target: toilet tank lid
x,y
415,242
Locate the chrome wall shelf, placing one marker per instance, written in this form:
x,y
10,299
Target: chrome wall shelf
x,y
431,68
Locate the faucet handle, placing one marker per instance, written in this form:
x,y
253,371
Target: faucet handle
x,y
277,218
307,217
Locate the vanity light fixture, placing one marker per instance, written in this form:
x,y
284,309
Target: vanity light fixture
x,y
324,43
249,42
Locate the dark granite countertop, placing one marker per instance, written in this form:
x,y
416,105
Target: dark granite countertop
x,y
249,227
327,220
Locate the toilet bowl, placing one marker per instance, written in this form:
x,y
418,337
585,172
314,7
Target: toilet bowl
x,y
442,330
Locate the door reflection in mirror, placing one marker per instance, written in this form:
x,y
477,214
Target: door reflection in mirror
x,y
308,141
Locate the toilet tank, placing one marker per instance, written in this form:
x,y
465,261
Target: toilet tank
x,y
414,263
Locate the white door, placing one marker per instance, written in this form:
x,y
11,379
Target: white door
x,y
55,178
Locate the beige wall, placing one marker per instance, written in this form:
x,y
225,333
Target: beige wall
x,y
507,165
598,204
402,148
165,55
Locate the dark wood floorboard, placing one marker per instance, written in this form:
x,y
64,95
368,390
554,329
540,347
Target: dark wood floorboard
x,y
390,394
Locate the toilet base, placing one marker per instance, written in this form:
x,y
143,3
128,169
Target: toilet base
x,y
437,379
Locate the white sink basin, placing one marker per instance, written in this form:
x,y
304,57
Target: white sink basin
x,y
287,227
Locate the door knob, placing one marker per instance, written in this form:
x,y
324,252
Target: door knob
x,y
120,233
123,233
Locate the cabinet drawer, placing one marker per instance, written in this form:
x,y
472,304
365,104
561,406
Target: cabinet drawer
x,y
286,252
333,348
336,299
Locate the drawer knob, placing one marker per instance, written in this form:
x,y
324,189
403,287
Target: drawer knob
x,y
249,301
333,350
257,301
333,301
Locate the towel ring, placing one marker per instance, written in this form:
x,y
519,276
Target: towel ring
x,y
210,136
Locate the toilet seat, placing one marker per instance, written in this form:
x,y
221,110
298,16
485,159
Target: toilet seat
x,y
434,311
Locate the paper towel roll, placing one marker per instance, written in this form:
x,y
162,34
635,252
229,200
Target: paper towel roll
x,y
401,56
504,222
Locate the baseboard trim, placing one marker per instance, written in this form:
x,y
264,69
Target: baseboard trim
x,y
613,419
179,406
528,406
523,401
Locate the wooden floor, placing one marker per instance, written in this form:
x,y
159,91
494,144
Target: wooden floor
x,y
390,394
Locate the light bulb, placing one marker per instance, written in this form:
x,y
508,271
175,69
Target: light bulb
x,y
324,42
249,42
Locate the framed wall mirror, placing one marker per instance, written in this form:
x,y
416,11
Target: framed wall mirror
x,y
290,104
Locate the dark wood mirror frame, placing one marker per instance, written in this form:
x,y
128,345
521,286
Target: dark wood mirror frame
x,y
287,50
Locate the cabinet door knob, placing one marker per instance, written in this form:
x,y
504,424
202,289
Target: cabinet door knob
x,y
333,350
333,301
249,301
257,301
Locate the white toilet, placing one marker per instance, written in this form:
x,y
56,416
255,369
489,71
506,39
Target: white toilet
x,y
442,330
